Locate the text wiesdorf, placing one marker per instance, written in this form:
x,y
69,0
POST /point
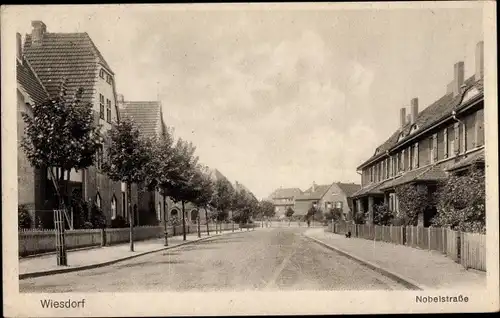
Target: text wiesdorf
x,y
63,304
442,299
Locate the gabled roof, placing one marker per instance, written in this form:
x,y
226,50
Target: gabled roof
x,y
426,118
348,188
31,84
146,115
285,193
73,56
317,194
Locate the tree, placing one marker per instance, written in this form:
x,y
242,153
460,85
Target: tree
x,y
60,135
461,202
181,187
289,212
129,160
267,208
382,215
334,214
223,199
24,218
204,191
414,199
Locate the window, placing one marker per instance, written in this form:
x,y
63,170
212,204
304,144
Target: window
x,y
101,106
113,208
108,110
415,155
101,73
109,79
392,199
446,142
99,157
124,205
338,204
158,212
396,204
98,200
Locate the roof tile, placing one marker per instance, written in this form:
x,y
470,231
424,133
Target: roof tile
x,y
145,114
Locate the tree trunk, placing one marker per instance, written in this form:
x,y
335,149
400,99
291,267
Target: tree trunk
x,y
199,225
206,217
130,216
183,222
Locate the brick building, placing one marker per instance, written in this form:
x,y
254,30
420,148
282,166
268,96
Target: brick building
x,y
445,137
74,59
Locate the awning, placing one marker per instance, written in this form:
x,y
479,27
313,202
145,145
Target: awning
x,y
468,160
372,189
424,174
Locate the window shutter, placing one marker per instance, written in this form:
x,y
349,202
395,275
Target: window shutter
x,y
445,142
464,137
434,147
402,160
456,138
415,155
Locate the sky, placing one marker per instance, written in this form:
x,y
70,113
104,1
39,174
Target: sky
x,y
277,98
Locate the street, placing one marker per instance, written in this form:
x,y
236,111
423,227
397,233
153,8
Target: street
x,y
265,259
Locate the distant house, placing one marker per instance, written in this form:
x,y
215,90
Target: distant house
x,y
73,60
326,197
446,137
282,199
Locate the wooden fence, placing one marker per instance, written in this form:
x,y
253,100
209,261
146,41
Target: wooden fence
x,y
468,249
32,242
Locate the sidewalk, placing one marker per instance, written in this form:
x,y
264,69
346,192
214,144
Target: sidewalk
x,y
101,256
426,269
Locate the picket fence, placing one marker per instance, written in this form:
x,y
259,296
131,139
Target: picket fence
x,y
468,249
38,241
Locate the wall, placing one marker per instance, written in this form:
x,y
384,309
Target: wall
x,y
25,172
302,206
333,195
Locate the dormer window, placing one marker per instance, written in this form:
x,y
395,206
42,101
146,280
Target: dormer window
x,y
401,136
109,79
377,151
101,73
413,129
469,94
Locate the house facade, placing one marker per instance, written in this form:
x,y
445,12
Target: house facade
x,y
310,198
73,61
445,137
338,196
30,91
282,199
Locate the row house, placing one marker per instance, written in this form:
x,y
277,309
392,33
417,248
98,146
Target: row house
x,y
154,206
446,137
72,60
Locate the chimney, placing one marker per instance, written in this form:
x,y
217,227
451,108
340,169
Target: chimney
x,y
39,29
402,117
479,61
414,110
19,46
458,80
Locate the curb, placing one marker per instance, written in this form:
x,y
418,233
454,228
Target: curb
x,y
97,265
408,283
